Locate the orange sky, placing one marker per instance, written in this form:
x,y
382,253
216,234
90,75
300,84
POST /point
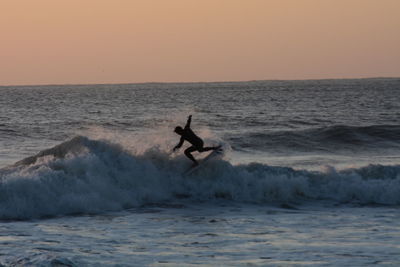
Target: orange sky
x,y
120,41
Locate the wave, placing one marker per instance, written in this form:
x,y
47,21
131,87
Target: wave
x,y
327,139
94,176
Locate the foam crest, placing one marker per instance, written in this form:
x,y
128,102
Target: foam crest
x,y
94,176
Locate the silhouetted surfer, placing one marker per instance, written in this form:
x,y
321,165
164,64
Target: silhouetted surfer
x,y
188,135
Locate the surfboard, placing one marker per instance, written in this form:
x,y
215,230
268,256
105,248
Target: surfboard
x,y
213,154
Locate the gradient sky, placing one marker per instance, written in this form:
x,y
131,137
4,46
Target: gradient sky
x,y
121,41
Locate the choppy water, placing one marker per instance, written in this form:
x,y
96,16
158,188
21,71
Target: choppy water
x,y
310,175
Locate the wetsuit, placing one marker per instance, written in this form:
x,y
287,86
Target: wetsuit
x,y
191,137
197,144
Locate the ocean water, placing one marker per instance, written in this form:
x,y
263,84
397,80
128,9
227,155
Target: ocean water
x,y
310,174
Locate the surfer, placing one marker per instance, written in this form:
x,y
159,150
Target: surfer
x,y
197,144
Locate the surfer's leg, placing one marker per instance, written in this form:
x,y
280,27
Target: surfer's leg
x,y
188,154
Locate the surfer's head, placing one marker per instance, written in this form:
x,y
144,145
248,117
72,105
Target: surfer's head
x,y
178,130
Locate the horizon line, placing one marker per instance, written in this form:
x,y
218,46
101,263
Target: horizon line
x,y
198,82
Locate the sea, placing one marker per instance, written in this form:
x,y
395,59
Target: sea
x,y
309,175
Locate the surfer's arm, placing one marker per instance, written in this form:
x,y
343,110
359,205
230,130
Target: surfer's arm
x,y
179,144
188,121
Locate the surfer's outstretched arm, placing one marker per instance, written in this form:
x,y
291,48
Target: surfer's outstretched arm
x,y
188,121
179,144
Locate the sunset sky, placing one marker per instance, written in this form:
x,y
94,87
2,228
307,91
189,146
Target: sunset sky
x,y
123,41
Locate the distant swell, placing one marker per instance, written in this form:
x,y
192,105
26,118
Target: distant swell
x,y
91,176
330,139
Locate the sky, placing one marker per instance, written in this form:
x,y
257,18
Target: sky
x,y
129,41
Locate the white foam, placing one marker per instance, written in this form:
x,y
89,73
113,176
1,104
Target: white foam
x,y
94,176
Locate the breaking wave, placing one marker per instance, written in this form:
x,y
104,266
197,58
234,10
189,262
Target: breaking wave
x,y
94,176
